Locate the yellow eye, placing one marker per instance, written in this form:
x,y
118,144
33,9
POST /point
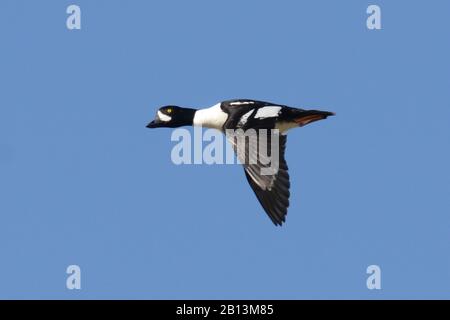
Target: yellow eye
x,y
169,110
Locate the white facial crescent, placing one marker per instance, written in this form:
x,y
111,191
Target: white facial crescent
x,y
164,117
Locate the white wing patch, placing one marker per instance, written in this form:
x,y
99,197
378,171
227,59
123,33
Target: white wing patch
x,y
238,103
268,112
244,118
164,117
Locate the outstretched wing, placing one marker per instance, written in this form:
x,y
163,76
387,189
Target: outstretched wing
x,y
266,170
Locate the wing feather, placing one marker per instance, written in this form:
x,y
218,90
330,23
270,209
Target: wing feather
x,y
271,190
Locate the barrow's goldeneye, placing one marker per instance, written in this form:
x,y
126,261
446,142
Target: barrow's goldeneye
x,y
272,190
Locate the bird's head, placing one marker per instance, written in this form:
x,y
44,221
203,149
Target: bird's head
x,y
172,117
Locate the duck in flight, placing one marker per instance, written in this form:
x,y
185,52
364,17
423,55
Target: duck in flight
x,y
272,190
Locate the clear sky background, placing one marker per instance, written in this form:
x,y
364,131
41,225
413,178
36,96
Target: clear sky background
x,y
82,181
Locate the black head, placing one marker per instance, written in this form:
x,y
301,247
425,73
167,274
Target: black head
x,y
172,117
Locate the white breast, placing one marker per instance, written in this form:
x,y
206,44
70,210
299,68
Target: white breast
x,y
212,117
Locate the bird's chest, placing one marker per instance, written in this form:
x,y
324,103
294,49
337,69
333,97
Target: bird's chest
x,y
213,117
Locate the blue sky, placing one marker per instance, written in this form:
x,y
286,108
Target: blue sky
x,y
82,181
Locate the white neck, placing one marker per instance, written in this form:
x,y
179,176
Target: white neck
x,y
212,117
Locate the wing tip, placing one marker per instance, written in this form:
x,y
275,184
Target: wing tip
x,y
276,220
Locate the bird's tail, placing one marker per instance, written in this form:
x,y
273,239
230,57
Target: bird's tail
x,y
308,116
